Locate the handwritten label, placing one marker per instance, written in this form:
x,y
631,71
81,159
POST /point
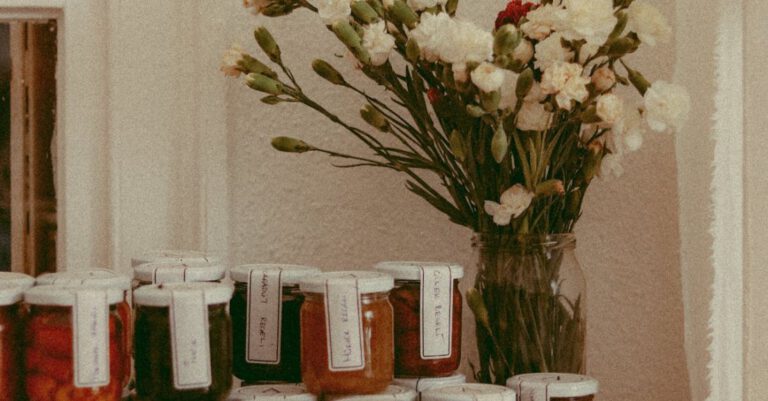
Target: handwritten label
x,y
189,340
344,325
436,312
265,299
90,316
169,274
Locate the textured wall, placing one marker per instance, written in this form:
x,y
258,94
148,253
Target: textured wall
x,y
300,209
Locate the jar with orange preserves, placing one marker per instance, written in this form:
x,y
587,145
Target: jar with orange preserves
x,y
554,387
11,342
347,333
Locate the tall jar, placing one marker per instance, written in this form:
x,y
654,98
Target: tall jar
x,y
265,322
182,342
347,340
427,303
554,387
530,306
11,342
168,271
75,348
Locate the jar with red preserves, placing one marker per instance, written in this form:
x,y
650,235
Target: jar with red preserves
x,y
427,304
11,342
470,392
265,322
75,350
347,333
554,387
169,271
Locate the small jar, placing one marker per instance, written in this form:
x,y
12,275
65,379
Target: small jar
x,y
182,342
167,271
470,392
347,333
17,279
554,387
272,392
391,393
421,384
11,342
265,322
427,304
75,349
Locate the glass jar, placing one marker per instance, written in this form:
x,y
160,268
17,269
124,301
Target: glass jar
x,y
11,342
427,304
182,342
168,271
17,279
391,393
554,387
272,392
470,392
421,384
265,322
347,340
75,349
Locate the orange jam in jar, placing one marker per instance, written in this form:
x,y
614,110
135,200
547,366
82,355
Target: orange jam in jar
x,y
11,342
554,387
347,333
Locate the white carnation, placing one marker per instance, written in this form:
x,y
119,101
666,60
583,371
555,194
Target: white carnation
x,y
488,77
566,81
508,90
514,202
604,78
533,117
550,51
333,11
629,130
378,42
611,166
648,23
666,106
535,94
256,6
523,53
591,20
610,108
466,43
430,34
230,63
419,5
542,21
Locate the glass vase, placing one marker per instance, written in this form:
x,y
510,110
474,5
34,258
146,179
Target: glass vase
x,y
529,303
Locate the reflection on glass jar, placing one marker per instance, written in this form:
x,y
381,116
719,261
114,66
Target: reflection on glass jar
x,y
470,392
11,342
347,333
272,392
554,387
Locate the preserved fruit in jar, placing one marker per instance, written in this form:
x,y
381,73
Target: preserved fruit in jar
x,y
168,271
182,342
427,303
265,322
554,387
470,392
11,342
346,333
272,392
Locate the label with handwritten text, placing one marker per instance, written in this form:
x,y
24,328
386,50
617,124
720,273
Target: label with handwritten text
x,y
264,316
91,338
189,340
344,325
436,311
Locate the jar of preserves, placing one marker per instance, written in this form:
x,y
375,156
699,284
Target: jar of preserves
x,y
421,384
75,350
168,271
391,393
347,333
427,304
470,392
554,387
265,322
272,392
11,342
17,279
182,342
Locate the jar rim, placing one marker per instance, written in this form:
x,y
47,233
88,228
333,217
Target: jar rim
x,y
408,270
393,392
470,392
91,277
555,384
161,295
19,279
290,274
272,392
367,282
191,272
177,256
50,295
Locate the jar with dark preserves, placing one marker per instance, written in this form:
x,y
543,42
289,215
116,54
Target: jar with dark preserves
x,y
347,333
427,304
169,271
265,322
391,393
421,384
272,392
75,350
11,342
182,342
469,392
554,387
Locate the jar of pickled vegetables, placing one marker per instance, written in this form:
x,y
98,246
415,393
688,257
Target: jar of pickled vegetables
x,y
11,342
182,342
391,393
168,271
347,333
554,387
421,384
17,279
272,392
470,392
75,350
265,322
427,304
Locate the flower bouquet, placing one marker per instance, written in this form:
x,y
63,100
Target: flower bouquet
x,y
501,130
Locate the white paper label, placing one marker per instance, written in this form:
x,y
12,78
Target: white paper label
x,y
189,340
265,299
344,325
169,274
90,318
436,311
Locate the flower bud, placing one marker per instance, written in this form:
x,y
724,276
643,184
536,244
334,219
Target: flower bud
x,y
490,100
374,118
604,79
400,12
278,9
499,144
638,80
271,100
290,145
364,12
573,205
617,48
550,188
524,83
506,40
327,72
349,36
412,51
267,44
377,6
592,161
457,145
250,64
523,52
451,6
264,84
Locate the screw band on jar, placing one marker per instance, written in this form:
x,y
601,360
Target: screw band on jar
x,y
470,392
272,392
17,279
421,384
554,387
176,256
178,272
391,393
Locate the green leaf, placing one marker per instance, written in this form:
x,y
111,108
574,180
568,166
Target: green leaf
x,y
499,144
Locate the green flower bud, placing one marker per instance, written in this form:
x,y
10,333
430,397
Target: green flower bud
x,y
271,100
524,83
262,83
475,111
403,14
490,101
573,205
327,72
499,144
593,160
451,6
291,145
506,40
550,188
617,48
278,9
412,51
374,118
364,12
638,80
377,6
349,36
250,64
267,43
457,145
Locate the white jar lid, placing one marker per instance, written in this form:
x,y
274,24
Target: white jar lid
x,y
102,278
392,393
554,384
178,256
410,270
17,279
426,383
186,272
470,392
161,294
291,274
272,392
50,295
367,281
11,293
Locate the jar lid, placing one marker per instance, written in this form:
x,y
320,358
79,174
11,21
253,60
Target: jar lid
x,y
392,393
102,278
178,256
367,281
161,294
50,295
554,384
411,270
11,293
272,392
17,279
291,274
470,392
426,383
169,271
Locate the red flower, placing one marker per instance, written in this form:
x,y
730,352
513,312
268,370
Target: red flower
x,y
514,12
434,95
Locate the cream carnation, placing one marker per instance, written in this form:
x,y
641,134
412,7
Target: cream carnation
x,y
565,80
648,23
533,116
487,77
610,108
604,79
466,43
629,130
230,63
543,21
666,106
514,202
591,20
332,11
523,53
419,5
256,6
378,42
550,51
430,34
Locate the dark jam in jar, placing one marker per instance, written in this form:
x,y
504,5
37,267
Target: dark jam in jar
x,y
11,342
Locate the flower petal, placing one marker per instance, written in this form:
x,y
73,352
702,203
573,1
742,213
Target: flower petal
x,y
491,207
